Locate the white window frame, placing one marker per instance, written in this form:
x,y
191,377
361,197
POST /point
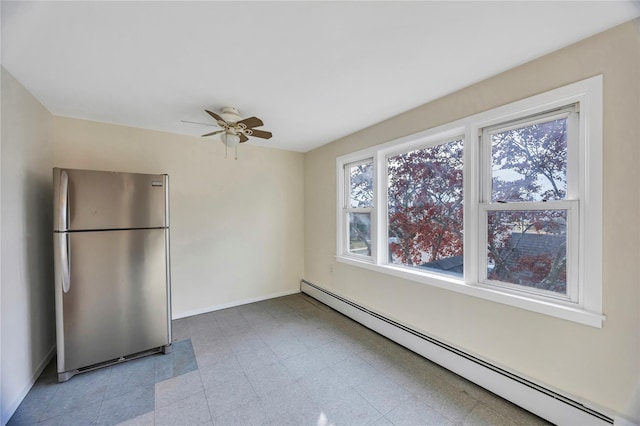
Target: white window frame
x,y
585,205
346,209
571,203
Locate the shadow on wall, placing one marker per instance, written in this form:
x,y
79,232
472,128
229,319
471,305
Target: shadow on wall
x,y
38,250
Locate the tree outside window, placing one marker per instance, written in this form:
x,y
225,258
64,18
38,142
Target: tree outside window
x,y
425,208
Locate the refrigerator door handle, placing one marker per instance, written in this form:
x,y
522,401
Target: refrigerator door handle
x,y
65,262
63,199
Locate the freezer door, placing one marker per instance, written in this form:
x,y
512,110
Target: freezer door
x,y
87,200
116,301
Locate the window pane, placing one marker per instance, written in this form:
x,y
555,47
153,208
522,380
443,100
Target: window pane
x,y
529,163
360,185
528,248
425,208
360,233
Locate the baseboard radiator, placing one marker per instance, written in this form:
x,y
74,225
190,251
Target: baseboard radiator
x,y
537,399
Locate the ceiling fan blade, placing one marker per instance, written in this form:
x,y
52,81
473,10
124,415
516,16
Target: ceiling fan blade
x,y
261,134
251,122
243,138
197,122
215,116
213,133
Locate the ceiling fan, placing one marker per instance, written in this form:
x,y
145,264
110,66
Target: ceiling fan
x,y
234,129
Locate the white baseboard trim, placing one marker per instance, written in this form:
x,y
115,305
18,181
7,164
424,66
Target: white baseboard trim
x,y
533,397
232,304
11,409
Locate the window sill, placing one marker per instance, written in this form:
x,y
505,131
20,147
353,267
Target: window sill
x,y
569,313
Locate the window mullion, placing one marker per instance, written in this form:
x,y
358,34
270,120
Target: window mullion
x,y
471,196
382,247
341,214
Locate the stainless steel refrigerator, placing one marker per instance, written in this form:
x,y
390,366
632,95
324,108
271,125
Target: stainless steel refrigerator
x,y
112,273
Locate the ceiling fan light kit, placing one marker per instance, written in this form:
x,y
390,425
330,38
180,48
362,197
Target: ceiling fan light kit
x,y
230,139
236,130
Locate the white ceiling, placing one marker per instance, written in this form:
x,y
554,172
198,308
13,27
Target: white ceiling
x,y
313,71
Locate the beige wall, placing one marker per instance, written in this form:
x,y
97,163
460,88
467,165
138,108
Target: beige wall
x,y
599,366
27,321
236,226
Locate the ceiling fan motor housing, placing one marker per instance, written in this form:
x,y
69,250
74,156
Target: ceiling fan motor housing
x,y
230,114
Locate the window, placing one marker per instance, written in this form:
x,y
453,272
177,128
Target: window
x,y
529,204
424,208
358,207
505,205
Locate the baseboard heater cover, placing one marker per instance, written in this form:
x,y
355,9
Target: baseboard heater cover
x,y
535,398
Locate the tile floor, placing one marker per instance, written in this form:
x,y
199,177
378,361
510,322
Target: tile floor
x,y
284,361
